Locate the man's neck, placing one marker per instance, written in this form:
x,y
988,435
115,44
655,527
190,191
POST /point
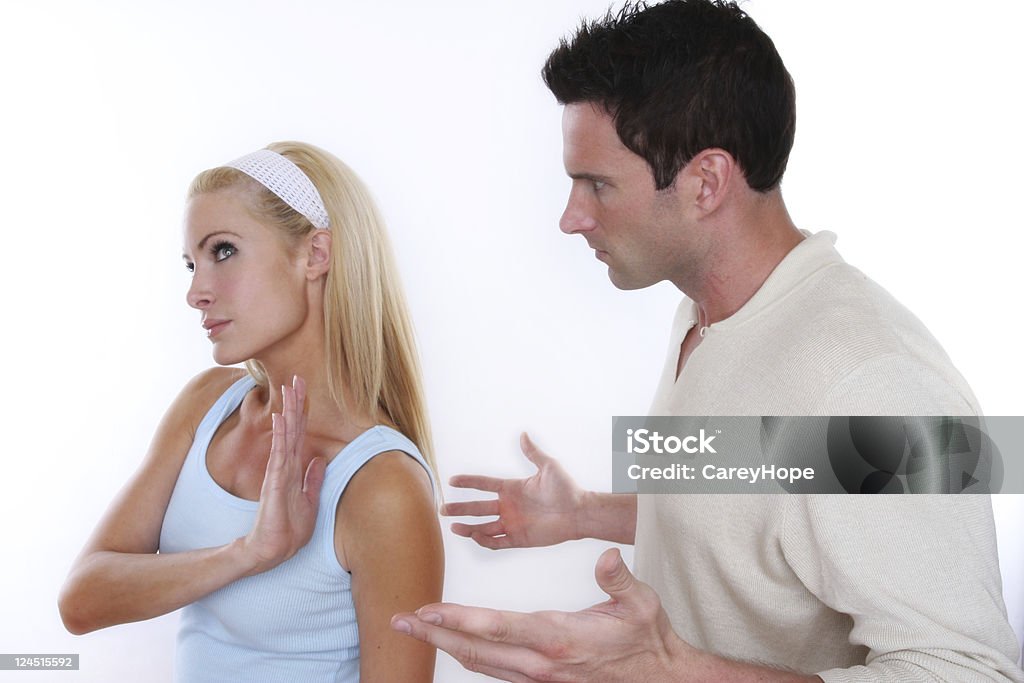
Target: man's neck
x,y
743,256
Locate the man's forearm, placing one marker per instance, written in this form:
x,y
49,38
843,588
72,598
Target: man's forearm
x,y
711,667
688,664
607,516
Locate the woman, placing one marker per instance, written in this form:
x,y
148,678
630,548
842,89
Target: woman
x,y
291,502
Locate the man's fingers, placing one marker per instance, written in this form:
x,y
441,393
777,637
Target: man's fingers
x,y
474,508
476,481
530,450
503,674
494,528
533,631
630,597
493,542
495,659
612,574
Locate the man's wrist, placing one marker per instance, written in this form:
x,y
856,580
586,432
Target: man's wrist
x,y
692,665
606,516
585,506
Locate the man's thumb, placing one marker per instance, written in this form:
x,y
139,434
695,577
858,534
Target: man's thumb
x,y
613,576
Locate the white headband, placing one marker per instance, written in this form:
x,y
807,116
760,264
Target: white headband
x,y
286,180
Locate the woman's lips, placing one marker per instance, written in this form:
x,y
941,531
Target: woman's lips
x,y
214,327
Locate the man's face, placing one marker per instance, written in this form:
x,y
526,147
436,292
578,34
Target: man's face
x,y
638,232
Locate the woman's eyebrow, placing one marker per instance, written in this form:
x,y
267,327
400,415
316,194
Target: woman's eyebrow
x,y
208,236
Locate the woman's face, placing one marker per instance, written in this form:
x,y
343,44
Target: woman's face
x,y
246,282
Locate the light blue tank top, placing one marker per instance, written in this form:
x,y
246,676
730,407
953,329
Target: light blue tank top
x,y
296,622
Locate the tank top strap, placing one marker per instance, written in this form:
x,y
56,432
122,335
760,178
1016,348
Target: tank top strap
x,y
343,467
224,406
362,449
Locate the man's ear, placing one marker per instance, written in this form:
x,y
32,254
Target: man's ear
x,y
318,254
714,170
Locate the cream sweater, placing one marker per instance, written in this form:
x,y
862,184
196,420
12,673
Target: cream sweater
x,y
853,588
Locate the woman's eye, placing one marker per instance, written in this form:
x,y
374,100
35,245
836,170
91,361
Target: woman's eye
x,y
190,267
223,251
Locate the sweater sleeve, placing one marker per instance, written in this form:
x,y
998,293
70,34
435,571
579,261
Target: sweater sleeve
x,y
918,575
898,384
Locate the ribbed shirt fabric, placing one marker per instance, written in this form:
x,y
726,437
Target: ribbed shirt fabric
x,y
853,588
295,622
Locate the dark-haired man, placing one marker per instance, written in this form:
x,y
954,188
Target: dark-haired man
x,y
677,127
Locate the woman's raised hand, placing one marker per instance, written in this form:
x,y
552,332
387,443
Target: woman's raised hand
x,y
537,511
291,493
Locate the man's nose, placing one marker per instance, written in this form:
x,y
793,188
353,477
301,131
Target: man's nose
x,y
576,217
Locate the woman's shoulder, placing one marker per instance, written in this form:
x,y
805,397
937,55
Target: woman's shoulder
x,y
391,486
386,511
203,390
215,379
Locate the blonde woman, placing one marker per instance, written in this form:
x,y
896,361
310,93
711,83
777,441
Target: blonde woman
x,y
287,506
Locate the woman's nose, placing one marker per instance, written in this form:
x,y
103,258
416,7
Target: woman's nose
x,y
199,295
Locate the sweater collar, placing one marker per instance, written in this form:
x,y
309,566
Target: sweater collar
x,y
815,252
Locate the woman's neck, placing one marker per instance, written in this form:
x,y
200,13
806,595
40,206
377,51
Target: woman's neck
x,y
304,354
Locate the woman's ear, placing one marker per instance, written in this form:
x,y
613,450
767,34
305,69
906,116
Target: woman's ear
x,y
318,257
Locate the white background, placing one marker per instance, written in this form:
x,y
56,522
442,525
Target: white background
x,y
908,147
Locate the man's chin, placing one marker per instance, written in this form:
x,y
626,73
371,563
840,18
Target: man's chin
x,y
627,283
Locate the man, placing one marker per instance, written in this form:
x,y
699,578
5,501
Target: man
x,y
677,127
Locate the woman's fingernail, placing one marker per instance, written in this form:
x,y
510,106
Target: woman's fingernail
x,y
402,626
430,617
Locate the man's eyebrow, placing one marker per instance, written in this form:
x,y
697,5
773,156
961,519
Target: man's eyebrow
x,y
589,176
208,236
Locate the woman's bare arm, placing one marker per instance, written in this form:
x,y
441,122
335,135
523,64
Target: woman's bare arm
x,y
119,578
389,538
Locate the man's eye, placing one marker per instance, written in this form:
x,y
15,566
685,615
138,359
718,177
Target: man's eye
x,y
598,185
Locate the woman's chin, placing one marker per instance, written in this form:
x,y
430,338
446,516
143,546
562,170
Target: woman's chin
x,y
225,357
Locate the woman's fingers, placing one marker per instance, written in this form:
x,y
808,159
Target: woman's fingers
x,y
285,466
301,412
294,420
276,462
288,409
288,430
314,480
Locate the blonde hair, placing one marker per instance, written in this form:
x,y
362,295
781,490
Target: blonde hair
x,y
368,335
